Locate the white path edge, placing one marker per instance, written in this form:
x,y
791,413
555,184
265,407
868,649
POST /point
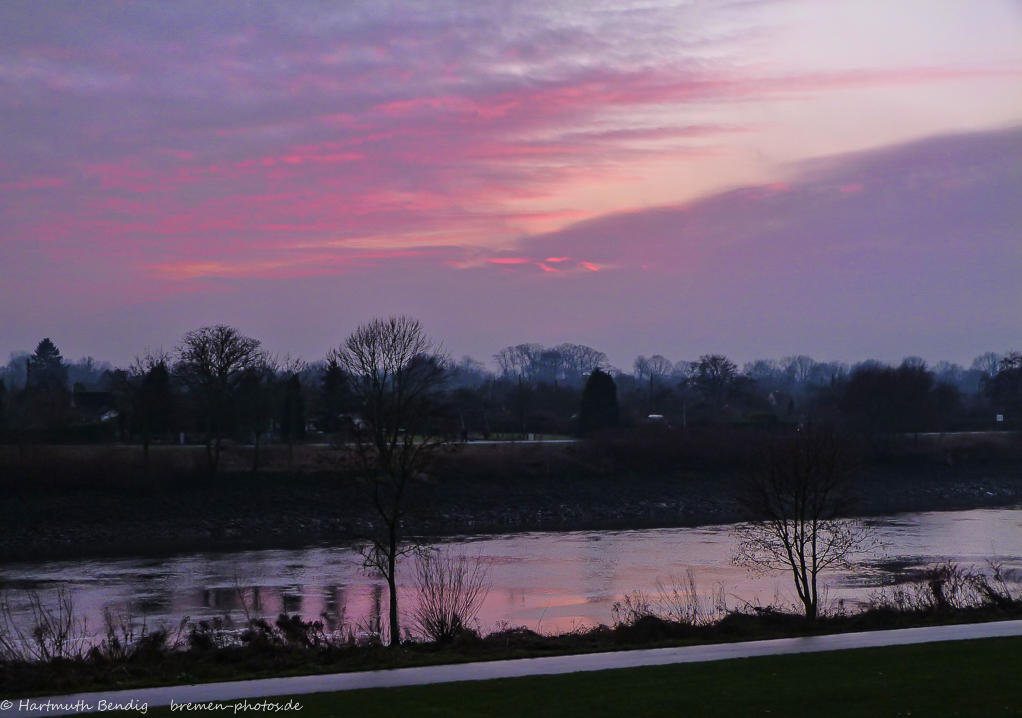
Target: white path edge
x,y
269,687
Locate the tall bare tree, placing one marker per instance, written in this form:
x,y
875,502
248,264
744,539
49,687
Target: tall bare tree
x,y
212,362
521,360
580,361
714,375
798,369
396,374
799,496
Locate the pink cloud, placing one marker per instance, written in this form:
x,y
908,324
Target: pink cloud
x,y
253,146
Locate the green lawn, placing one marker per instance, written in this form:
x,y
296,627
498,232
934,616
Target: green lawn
x,y
962,678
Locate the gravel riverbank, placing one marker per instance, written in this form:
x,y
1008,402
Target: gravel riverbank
x,y
240,509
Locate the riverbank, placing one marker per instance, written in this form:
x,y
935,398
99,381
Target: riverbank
x,y
493,489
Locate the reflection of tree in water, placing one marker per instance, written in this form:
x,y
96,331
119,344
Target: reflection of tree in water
x,y
222,599
291,602
153,605
335,607
376,612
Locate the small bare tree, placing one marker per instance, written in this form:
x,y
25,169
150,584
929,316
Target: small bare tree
x,y
799,496
395,374
55,631
451,591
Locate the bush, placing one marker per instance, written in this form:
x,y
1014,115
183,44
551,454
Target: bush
x,y
451,589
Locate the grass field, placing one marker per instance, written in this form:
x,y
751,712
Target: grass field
x,y
964,678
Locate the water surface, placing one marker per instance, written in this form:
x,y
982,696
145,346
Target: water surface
x,y
545,581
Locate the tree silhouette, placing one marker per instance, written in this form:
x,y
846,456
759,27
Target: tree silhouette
x,y
334,396
151,402
292,406
798,497
714,376
212,362
48,370
1004,388
599,408
395,374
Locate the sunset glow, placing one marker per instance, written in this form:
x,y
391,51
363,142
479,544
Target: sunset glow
x,y
165,166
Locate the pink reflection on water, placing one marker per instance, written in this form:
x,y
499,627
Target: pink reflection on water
x,y
549,582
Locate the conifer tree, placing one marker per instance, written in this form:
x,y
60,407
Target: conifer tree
x,y
599,407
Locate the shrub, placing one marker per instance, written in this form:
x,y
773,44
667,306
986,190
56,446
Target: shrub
x,y
451,589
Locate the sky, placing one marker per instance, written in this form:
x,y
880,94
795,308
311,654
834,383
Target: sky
x,y
839,178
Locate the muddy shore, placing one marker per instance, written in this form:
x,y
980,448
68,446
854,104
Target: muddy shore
x,y
273,510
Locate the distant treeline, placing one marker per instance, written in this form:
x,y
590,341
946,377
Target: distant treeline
x,y
218,384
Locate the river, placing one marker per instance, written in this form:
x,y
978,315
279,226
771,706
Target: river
x,y
550,582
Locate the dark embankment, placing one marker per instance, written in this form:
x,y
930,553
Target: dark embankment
x,y
64,501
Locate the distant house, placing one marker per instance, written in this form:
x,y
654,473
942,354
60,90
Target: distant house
x,y
782,404
94,406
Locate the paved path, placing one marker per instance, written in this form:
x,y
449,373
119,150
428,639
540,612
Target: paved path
x,y
268,687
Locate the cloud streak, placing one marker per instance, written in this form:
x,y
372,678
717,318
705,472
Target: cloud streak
x,y
153,151
199,129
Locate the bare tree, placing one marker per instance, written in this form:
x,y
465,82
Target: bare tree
x,y
549,366
989,363
660,366
656,369
767,373
212,361
640,367
714,375
799,497
798,369
395,373
471,372
580,361
520,360
949,373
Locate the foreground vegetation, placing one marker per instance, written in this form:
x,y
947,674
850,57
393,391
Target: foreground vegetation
x,y
55,656
960,678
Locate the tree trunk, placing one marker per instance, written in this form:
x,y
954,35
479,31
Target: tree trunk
x,y
216,455
145,442
209,445
810,610
395,633
255,454
290,454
